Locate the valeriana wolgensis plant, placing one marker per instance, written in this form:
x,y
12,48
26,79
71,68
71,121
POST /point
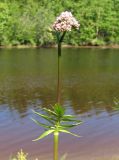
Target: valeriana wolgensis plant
x,y
56,121
64,23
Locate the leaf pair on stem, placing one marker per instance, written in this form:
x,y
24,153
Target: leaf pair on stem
x,y
56,121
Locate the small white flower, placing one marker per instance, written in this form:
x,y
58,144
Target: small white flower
x,y
65,22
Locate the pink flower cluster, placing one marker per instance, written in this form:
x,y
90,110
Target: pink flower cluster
x,y
65,22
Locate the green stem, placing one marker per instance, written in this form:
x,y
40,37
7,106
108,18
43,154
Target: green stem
x,y
59,78
59,49
56,139
62,37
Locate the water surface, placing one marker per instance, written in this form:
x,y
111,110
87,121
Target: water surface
x,y
90,82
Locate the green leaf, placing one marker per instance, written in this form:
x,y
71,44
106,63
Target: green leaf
x,y
69,116
49,119
46,133
49,111
65,131
70,125
41,124
70,120
59,110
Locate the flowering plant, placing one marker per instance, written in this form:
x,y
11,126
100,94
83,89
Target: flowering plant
x,y
21,156
56,119
64,23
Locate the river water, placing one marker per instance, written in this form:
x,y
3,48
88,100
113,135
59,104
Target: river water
x,y
90,83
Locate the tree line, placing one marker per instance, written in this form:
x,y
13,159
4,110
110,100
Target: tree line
x,y
28,22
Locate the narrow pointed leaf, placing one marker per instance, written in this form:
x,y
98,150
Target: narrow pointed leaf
x,y
69,116
70,125
70,120
49,111
59,110
41,124
65,131
46,133
49,119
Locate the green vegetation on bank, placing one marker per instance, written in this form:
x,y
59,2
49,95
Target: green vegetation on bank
x,y
27,22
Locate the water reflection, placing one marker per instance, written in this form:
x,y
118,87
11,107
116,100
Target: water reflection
x,y
90,78
90,81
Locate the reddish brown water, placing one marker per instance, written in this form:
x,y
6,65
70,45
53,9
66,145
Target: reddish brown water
x,y
90,81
